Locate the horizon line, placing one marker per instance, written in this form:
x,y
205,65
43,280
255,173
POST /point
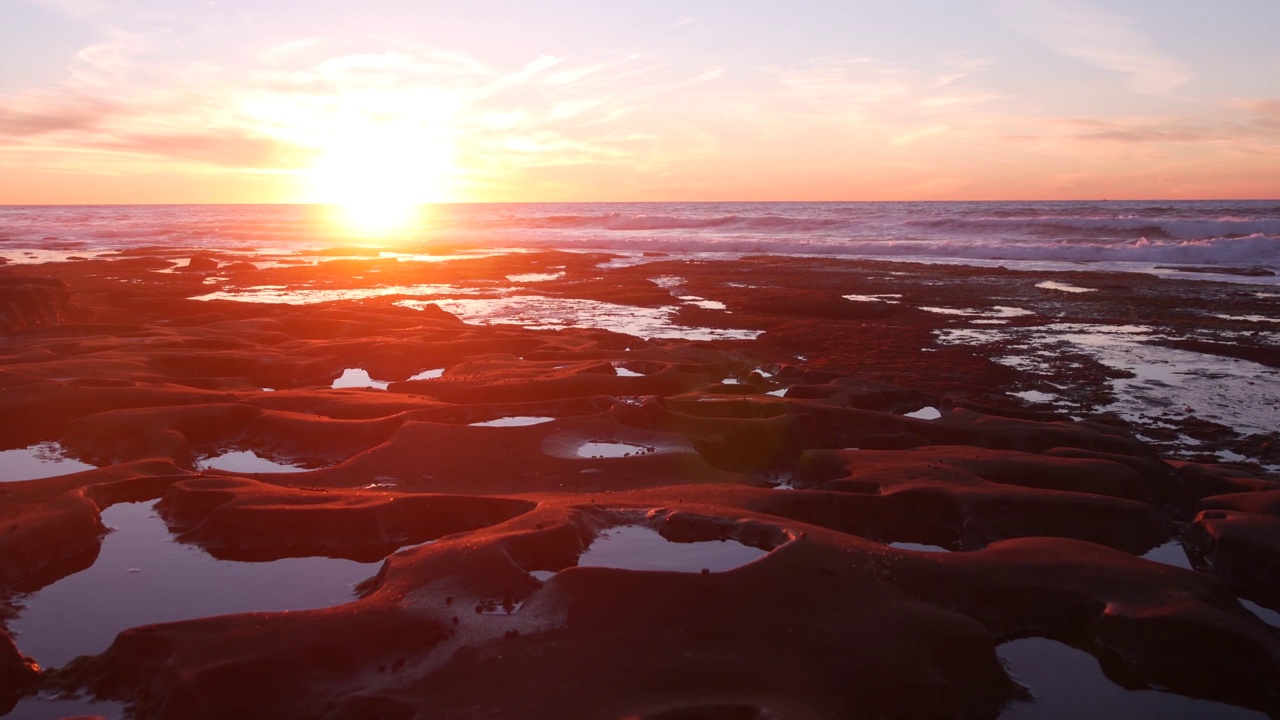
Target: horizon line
x,y
654,202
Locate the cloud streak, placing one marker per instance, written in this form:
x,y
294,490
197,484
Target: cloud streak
x,y
1098,37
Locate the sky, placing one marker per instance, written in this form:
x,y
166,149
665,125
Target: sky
x,y
210,101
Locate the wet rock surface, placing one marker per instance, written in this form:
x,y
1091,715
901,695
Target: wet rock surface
x,y
804,445
32,302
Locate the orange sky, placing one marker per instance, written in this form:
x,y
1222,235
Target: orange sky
x,y
128,102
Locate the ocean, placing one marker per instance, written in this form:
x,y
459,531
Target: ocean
x,y
1144,236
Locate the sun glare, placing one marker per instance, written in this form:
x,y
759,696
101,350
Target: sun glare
x,y
378,177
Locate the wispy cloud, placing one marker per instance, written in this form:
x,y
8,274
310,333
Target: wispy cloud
x,y
1097,36
889,103
52,114
1252,122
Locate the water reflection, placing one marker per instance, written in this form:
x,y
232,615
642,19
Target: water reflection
x,y
634,547
37,461
1069,684
143,576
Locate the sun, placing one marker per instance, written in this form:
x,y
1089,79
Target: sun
x,y
377,178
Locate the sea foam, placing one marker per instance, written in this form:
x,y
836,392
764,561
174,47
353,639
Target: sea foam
x,y
1108,235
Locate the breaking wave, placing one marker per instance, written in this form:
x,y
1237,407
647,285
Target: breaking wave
x,y
1199,232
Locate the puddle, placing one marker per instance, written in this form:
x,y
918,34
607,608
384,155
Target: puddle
x,y
534,277
447,257
1247,318
1170,553
998,311
612,449
925,413
428,374
517,421
1064,287
778,393
1035,396
1266,615
358,378
284,295
626,260
623,372
545,313
143,576
1228,456
1166,382
703,302
41,460
667,281
245,461
892,298
1068,684
918,547
634,547
39,707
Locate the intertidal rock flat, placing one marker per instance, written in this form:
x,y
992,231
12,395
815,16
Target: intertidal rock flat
x,y
778,454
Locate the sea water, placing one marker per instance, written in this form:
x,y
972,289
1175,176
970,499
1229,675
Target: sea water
x,y
1128,235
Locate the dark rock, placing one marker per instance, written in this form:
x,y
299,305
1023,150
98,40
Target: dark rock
x,y
1242,548
200,263
30,302
17,671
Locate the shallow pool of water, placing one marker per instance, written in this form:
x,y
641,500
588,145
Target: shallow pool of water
x,y
892,298
918,547
516,421
927,412
1170,553
534,277
703,303
634,547
1167,382
46,707
997,311
550,313
612,449
143,576
1035,396
41,460
245,461
1069,684
1064,287
1247,318
1266,615
358,378
285,295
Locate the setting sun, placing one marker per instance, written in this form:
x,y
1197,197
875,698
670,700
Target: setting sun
x,y
378,176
